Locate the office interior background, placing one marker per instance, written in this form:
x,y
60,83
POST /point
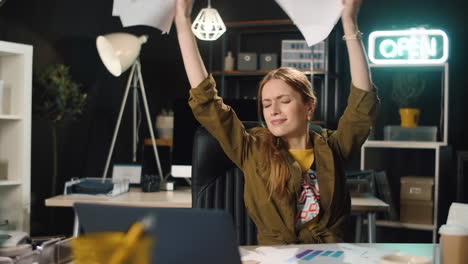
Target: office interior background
x,y
65,32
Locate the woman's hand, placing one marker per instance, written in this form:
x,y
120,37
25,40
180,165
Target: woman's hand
x,y
359,69
183,8
350,10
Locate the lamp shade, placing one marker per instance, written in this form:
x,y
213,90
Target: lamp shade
x,y
208,25
118,51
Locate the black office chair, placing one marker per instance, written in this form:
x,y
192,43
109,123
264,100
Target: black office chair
x,y
219,183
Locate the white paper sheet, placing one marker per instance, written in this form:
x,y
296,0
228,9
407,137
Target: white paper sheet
x,y
154,13
363,255
314,18
351,254
269,255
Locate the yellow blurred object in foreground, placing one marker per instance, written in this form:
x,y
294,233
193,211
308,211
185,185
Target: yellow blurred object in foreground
x,y
100,248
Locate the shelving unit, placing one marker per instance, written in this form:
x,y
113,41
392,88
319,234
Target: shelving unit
x,y
396,224
379,154
15,136
264,36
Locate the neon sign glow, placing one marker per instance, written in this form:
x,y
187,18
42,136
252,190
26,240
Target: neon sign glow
x,y
414,46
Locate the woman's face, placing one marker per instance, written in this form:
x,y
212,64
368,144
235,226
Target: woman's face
x,y
284,109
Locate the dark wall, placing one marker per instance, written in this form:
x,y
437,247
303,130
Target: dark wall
x,y
65,31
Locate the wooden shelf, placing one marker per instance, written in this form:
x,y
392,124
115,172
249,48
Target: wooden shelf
x,y
259,72
397,224
159,142
253,23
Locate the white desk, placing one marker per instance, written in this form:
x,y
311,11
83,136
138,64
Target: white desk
x,y
182,198
431,251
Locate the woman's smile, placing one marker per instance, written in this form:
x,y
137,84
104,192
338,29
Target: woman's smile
x,y
278,121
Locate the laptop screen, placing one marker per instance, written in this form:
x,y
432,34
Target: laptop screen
x,y
184,235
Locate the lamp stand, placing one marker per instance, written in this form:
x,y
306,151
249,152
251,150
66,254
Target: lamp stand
x,y
136,77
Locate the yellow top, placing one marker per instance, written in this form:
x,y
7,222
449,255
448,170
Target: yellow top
x,y
305,158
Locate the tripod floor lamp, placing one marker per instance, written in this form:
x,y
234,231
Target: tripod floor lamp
x,y
119,51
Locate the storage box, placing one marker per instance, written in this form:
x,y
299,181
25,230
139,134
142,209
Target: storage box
x,y
416,212
417,188
420,133
247,61
268,61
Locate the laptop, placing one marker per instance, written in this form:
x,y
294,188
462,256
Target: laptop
x,y
184,235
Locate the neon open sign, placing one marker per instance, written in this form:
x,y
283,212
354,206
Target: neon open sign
x,y
414,46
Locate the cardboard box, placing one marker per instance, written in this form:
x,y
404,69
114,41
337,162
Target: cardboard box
x,y
416,212
417,188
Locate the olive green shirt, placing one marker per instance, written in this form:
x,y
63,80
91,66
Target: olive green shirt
x,y
275,218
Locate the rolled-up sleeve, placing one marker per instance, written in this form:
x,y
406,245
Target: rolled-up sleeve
x,y
365,102
204,92
354,125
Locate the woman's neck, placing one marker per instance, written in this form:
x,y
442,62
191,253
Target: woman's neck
x,y
302,141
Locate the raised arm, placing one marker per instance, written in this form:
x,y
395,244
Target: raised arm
x,y
363,103
194,66
359,68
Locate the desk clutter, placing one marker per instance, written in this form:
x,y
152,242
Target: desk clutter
x,y
328,253
17,248
133,246
96,186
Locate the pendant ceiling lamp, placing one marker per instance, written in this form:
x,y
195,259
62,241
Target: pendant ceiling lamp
x,y
208,25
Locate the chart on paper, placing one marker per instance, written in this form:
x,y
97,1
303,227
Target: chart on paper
x,y
319,256
316,254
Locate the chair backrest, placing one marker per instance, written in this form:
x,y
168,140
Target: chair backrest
x,y
218,183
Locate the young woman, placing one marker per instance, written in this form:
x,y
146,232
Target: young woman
x,y
294,185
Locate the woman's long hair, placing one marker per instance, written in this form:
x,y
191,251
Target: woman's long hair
x,y
279,172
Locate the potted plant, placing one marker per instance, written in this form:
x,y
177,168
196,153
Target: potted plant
x,y
57,98
407,88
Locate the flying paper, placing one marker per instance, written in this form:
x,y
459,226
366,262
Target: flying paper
x,y
314,18
154,13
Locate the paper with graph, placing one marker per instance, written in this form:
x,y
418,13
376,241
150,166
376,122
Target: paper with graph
x,y
316,254
154,13
314,18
